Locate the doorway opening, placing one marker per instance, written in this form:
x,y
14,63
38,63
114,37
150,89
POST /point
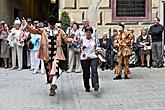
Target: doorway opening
x,y
17,13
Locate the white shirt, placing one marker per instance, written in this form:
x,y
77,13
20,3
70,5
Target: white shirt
x,y
14,36
70,32
89,51
95,36
52,32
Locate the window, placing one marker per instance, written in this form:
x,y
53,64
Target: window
x,y
131,10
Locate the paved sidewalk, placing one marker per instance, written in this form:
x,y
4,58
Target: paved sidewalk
x,y
21,90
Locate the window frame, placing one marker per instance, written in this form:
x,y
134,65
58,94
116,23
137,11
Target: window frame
x,y
132,19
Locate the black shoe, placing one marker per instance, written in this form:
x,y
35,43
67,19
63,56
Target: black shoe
x,y
106,67
154,66
87,90
96,87
117,77
126,76
160,66
102,69
149,67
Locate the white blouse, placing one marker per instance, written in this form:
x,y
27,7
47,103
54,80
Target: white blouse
x,y
89,51
14,36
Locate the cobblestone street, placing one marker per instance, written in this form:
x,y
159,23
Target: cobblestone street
x,y
21,90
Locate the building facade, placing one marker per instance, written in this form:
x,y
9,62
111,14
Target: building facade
x,y
36,9
104,15
133,13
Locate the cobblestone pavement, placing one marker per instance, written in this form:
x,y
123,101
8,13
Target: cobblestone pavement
x,y
21,90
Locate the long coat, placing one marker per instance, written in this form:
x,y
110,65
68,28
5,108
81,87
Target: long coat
x,y
44,49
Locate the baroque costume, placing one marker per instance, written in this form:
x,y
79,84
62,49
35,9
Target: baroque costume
x,y
122,43
50,50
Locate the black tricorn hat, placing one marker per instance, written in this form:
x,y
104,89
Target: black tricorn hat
x,y
51,19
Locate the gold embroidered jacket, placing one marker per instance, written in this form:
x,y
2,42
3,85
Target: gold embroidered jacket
x,y
122,42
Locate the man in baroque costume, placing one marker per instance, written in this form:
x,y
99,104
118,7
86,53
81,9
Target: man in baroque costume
x,y
122,45
50,49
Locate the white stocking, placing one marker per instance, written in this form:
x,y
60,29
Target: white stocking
x,y
54,80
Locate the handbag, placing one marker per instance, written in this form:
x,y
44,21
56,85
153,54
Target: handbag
x,y
101,51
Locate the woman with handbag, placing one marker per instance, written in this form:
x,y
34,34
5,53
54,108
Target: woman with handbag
x,y
144,44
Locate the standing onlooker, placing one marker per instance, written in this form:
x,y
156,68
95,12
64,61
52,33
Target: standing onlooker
x,y
144,44
89,60
28,46
31,49
133,60
85,23
156,31
35,39
73,56
131,31
103,42
16,41
26,50
110,50
29,21
5,51
77,46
